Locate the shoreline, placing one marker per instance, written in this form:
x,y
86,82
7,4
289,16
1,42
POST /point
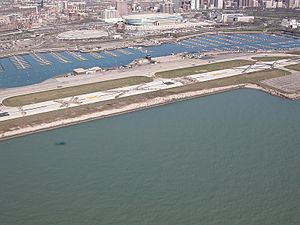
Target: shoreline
x,y
150,103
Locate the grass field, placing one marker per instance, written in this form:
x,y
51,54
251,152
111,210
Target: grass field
x,y
67,113
253,77
294,67
203,68
295,52
73,91
269,58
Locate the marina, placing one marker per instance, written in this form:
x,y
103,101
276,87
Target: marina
x,y
42,61
124,52
109,53
96,55
61,61
77,56
60,58
19,62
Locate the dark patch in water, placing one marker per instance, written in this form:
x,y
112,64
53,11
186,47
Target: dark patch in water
x,y
60,143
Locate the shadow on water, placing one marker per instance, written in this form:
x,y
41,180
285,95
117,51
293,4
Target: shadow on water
x,y
60,143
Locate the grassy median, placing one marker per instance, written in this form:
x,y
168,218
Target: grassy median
x,y
253,77
294,52
269,58
73,91
203,68
294,67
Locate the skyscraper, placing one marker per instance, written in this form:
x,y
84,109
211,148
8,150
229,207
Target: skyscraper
x,y
167,7
122,8
195,4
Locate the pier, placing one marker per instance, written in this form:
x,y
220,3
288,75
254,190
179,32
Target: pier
x,y
142,50
60,58
96,55
42,61
19,62
110,54
77,56
1,68
186,45
123,51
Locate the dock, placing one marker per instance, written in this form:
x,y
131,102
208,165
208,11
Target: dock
x,y
59,57
110,54
19,62
1,69
186,45
42,61
142,50
96,55
77,56
123,51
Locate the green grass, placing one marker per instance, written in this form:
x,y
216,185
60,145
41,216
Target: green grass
x,y
269,58
294,67
73,91
254,77
294,52
203,68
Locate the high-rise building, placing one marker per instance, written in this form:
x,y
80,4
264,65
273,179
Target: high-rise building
x,y
195,4
122,7
176,5
220,4
167,7
294,4
110,13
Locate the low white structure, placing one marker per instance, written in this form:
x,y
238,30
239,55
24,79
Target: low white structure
x,y
111,15
235,17
156,19
290,23
80,71
245,19
82,34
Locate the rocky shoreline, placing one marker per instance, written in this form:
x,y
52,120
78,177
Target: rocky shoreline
x,y
153,102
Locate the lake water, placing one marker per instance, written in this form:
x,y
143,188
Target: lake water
x,y
231,158
27,70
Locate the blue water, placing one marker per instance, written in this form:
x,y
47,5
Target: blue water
x,y
231,158
13,77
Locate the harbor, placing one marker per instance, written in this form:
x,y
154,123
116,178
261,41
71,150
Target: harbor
x,y
56,62
96,55
19,62
77,56
110,53
60,58
42,61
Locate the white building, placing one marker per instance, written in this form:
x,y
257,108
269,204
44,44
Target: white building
x,y
111,15
290,23
294,3
195,4
220,4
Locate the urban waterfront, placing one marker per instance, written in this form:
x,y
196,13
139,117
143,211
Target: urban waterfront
x,y
230,158
37,67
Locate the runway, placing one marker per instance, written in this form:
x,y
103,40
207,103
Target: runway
x,y
156,85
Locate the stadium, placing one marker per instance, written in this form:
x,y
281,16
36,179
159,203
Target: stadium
x,y
152,19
